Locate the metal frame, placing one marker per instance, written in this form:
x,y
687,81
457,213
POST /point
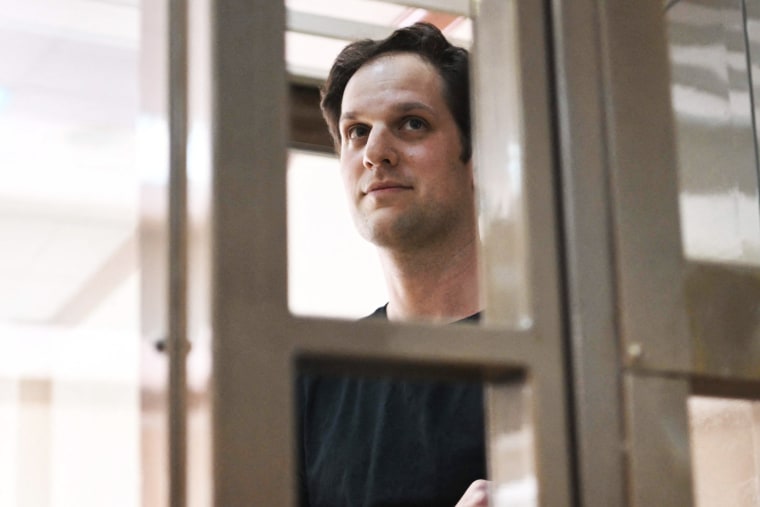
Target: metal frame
x,y
591,284
639,343
668,337
624,257
252,412
258,344
642,340
177,343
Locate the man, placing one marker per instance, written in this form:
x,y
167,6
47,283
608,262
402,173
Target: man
x,y
398,110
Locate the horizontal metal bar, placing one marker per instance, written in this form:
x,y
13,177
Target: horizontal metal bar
x,y
725,388
459,347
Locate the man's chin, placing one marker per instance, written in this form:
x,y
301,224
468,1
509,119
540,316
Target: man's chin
x,y
382,233
393,232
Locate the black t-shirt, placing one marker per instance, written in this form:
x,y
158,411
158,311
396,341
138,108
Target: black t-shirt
x,y
382,442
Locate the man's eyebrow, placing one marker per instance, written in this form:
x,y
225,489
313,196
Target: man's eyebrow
x,y
347,115
411,106
402,107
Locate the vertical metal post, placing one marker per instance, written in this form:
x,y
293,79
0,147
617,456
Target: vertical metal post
x,y
177,342
516,171
659,459
589,253
252,393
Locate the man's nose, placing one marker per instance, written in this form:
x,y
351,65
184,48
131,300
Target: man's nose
x,y
380,149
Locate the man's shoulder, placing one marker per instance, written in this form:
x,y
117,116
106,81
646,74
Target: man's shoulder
x,y
380,313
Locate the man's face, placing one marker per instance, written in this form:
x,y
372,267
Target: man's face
x,y
400,156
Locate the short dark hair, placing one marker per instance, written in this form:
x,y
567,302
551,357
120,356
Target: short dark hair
x,y
423,39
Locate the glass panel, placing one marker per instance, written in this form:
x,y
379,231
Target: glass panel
x,y
725,446
69,297
154,166
510,434
406,440
153,170
199,429
498,138
333,272
329,275
388,431
712,99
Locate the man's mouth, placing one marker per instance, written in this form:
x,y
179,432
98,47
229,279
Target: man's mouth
x,y
383,187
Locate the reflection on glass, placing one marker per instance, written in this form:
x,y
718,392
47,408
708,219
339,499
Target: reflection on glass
x,y
711,90
511,446
387,441
199,177
725,444
499,165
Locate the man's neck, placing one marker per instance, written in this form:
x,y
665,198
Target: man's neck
x,y
434,285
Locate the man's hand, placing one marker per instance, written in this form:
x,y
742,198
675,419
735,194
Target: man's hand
x,y
476,495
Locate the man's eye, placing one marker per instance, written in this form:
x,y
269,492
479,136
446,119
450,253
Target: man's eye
x,y
357,131
414,124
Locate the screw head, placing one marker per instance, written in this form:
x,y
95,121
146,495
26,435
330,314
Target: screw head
x,y
635,351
